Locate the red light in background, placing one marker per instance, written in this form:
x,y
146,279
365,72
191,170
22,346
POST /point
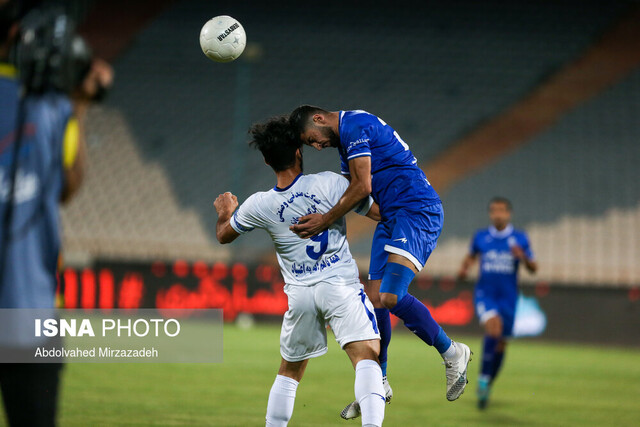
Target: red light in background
x,y
180,268
542,289
70,288
106,296
219,271
200,269
634,294
239,272
159,268
131,291
88,297
264,273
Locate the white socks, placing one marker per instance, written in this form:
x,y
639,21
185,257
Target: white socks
x,y
281,399
370,392
451,351
368,389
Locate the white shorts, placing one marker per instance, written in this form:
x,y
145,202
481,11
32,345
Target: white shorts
x,y
345,308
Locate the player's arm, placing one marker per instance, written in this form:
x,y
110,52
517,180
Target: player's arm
x,y
374,212
467,262
530,264
359,188
225,204
374,209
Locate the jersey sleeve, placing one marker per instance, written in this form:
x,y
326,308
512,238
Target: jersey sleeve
x,y
246,217
344,167
356,144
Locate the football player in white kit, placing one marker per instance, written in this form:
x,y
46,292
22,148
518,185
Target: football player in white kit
x,y
322,282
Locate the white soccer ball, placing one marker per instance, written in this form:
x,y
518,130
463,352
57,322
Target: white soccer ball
x,y
222,38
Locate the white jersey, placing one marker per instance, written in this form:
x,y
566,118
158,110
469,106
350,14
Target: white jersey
x,y
305,262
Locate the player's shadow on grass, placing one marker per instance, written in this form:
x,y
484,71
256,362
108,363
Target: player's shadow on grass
x,y
494,415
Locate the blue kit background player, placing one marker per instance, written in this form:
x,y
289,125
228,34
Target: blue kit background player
x,y
378,162
501,249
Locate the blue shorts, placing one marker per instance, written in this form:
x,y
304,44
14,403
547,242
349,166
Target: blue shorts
x,y
412,234
500,302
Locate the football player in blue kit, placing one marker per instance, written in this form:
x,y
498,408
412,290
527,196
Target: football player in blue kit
x,y
501,249
378,162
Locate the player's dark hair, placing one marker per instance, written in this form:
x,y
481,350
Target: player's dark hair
x,y
276,141
300,117
502,200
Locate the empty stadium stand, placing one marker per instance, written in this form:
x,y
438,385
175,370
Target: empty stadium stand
x,y
172,134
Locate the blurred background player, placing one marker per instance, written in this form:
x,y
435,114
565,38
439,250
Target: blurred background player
x,y
501,249
322,279
42,163
378,162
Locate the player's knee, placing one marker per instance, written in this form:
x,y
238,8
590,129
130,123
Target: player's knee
x,y
388,300
293,370
372,289
363,350
493,327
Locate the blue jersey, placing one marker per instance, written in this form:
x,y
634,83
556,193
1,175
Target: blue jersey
x,y
498,266
397,181
34,238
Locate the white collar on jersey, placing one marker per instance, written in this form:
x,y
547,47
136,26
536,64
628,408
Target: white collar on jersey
x,y
501,234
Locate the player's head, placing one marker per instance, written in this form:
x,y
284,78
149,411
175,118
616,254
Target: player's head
x,y
278,144
310,124
500,212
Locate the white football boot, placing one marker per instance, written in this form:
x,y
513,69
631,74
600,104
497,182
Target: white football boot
x,y
456,371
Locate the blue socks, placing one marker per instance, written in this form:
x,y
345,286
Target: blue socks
x,y
488,356
442,341
418,320
497,364
416,316
384,326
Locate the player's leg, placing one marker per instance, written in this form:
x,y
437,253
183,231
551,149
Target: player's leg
x,y
350,315
377,265
507,315
493,327
283,393
302,336
394,294
368,382
384,327
414,237
498,357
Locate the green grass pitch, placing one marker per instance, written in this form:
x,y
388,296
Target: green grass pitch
x,y
542,384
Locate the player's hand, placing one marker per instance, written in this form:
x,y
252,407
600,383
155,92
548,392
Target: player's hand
x,y
518,252
309,226
225,205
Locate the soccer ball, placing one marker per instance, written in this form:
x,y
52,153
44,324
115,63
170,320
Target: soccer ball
x,y
222,39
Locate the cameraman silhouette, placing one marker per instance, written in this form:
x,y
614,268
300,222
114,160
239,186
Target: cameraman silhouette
x,y
46,86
